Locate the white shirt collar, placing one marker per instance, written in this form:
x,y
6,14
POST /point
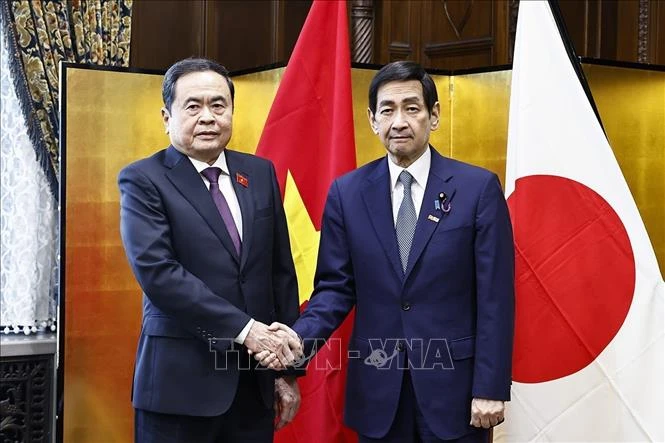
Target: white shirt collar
x,y
219,163
418,169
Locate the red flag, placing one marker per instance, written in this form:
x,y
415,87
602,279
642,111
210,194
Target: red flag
x,y
309,137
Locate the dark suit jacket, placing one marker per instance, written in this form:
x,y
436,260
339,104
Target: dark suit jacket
x,y
454,306
198,294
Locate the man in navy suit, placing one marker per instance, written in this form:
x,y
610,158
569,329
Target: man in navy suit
x,y
206,236
422,246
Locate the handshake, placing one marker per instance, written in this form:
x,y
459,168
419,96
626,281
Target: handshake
x,y
276,346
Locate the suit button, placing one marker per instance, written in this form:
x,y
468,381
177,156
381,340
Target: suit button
x,y
400,346
406,306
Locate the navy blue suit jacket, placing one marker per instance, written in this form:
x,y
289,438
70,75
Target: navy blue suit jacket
x,y
198,294
449,318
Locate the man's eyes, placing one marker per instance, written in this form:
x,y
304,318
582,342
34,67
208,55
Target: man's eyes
x,y
193,107
409,109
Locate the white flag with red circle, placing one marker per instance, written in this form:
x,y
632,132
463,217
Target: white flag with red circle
x,y
588,355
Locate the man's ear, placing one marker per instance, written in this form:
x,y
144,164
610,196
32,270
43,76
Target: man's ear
x,y
372,121
166,116
434,116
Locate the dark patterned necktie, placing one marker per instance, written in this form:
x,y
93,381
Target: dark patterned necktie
x,y
212,174
406,220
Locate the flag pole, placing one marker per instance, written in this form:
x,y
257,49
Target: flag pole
x,y
572,55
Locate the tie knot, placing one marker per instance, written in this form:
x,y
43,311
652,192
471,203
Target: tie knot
x,y
406,178
212,174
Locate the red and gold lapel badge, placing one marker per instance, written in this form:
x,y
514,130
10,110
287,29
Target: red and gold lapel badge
x,y
241,179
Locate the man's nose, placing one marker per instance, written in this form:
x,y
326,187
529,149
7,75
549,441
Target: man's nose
x,y
399,121
206,116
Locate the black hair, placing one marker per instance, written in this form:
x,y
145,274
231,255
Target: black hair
x,y
187,66
402,71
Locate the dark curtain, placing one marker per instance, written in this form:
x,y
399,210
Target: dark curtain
x,y
41,34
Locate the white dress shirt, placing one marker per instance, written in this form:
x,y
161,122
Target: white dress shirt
x,y
226,186
420,171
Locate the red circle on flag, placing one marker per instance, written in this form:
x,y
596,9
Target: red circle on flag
x,y
574,276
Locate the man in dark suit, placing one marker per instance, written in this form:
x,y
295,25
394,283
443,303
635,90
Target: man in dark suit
x,y
206,236
422,246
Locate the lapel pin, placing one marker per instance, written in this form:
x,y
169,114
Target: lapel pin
x,y
433,218
242,179
443,203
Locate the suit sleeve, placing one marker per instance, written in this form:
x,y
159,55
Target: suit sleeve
x,y
334,285
495,275
146,235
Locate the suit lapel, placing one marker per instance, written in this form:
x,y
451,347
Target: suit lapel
x,y
184,177
376,196
237,165
439,180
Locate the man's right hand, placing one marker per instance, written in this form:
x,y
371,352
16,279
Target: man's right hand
x,y
284,346
271,360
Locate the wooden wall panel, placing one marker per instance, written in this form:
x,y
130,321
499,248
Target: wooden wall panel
x,y
656,47
623,30
294,13
457,34
626,31
501,33
593,29
576,16
444,34
398,26
165,31
239,34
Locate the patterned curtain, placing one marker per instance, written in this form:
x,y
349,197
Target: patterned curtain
x,y
36,36
28,232
42,33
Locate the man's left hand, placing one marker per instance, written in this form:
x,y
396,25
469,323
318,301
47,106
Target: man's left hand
x,y
486,413
287,400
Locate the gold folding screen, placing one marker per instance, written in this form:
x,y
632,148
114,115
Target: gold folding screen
x,y
112,118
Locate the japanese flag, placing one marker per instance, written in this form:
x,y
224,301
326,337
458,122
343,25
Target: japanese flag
x,y
588,357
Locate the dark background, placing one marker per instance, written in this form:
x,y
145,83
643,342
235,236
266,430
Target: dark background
x,y
443,34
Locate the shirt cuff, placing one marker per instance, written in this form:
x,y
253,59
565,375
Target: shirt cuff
x,y
240,339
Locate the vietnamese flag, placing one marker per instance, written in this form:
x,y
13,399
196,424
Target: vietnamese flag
x,y
588,350
309,137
